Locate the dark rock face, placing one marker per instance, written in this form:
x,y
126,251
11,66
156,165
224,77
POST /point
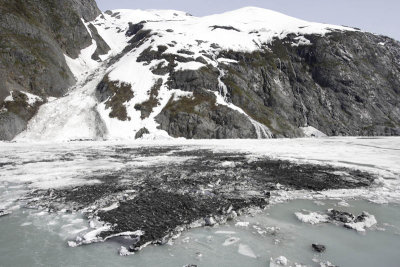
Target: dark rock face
x,y
20,105
141,132
102,46
86,9
16,113
345,83
342,84
10,126
34,36
190,80
200,117
134,28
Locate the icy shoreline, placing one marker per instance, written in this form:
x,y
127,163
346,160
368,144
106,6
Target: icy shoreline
x,y
379,156
117,182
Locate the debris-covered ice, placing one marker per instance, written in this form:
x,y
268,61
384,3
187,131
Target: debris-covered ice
x,y
169,188
359,223
362,222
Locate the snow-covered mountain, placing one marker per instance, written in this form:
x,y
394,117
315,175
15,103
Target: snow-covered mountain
x,y
249,73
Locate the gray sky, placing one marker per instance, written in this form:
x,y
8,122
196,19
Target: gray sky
x,y
377,16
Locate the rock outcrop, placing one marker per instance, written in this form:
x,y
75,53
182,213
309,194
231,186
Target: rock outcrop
x,y
345,83
34,36
199,117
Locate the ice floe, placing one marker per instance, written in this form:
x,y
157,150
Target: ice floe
x,y
242,224
246,250
312,217
280,261
359,223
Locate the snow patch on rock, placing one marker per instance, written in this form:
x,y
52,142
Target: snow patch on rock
x,y
310,131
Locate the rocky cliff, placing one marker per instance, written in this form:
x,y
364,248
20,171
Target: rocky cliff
x,y
344,83
34,37
303,80
249,73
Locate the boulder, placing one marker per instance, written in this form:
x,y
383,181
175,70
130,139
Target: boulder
x,y
319,248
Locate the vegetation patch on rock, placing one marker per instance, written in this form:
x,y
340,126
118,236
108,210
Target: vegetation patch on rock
x,y
146,108
115,94
200,117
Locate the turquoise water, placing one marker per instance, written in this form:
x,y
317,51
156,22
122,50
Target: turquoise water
x,y
33,238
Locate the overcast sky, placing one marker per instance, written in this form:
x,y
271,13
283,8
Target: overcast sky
x,y
370,15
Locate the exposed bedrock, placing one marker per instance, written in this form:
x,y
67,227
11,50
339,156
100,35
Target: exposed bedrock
x,y
34,36
346,83
199,117
17,111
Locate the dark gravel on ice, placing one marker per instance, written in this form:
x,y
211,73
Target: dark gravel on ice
x,y
204,186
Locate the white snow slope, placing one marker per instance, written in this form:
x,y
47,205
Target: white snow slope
x,y
78,115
